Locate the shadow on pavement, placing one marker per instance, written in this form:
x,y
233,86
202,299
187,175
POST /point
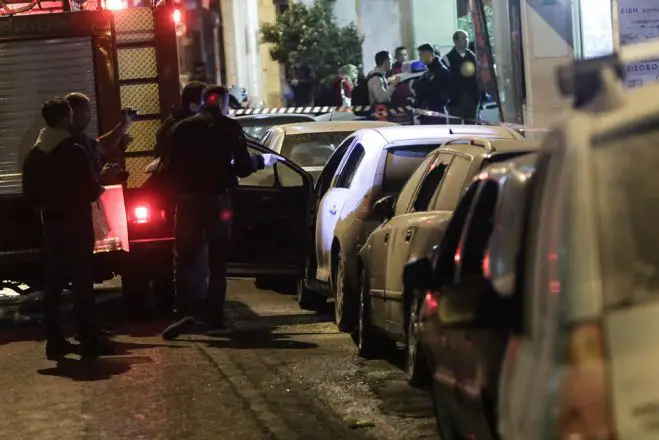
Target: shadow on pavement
x,y
93,370
253,331
123,348
255,339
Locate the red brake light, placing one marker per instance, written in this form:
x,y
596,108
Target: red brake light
x,y
141,214
177,16
431,302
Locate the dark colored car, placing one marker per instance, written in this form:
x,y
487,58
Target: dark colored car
x,y
457,282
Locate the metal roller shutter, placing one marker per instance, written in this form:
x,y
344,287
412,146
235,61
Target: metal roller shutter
x,y
30,73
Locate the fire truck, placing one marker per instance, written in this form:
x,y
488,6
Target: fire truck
x,y
126,57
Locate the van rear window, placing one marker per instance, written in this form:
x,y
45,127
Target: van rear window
x,y
401,163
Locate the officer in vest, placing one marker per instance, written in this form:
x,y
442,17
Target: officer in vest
x,y
465,91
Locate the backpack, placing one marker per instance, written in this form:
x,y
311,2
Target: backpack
x,y
360,96
34,178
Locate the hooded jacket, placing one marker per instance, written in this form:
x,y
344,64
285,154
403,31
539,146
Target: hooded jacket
x,y
59,171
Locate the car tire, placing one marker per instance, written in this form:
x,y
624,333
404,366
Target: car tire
x,y
345,313
308,299
445,428
369,343
416,369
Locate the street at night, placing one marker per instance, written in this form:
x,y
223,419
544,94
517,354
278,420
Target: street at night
x,y
284,374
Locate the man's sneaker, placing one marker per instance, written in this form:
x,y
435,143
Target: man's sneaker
x,y
176,329
58,348
221,329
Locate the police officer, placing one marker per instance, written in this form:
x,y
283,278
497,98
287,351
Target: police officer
x,y
59,170
209,153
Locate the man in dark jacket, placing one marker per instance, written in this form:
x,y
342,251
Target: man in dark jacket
x,y
432,88
104,150
190,106
209,153
67,186
303,82
465,91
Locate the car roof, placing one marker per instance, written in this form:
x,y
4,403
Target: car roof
x,y
330,126
428,132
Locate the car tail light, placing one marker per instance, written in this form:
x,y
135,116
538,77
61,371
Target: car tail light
x,y
431,303
583,400
143,213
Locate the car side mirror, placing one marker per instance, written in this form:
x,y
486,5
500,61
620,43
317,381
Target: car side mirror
x,y
419,274
384,207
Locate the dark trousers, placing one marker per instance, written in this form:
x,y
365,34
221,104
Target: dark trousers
x,y
202,223
69,249
464,110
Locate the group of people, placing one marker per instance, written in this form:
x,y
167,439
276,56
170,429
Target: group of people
x,y
202,153
449,84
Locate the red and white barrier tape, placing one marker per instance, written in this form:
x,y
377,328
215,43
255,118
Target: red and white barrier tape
x,y
380,110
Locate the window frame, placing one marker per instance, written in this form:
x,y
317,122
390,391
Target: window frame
x,y
423,168
435,202
352,160
440,157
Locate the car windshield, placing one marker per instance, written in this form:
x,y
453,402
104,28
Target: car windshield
x,y
312,149
628,209
256,127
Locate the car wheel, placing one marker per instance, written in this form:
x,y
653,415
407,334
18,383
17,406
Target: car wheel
x,y
344,308
308,299
416,369
445,428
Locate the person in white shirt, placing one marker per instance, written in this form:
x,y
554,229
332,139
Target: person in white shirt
x,y
380,88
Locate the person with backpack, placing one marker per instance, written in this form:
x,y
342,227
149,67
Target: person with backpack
x,y
376,88
59,179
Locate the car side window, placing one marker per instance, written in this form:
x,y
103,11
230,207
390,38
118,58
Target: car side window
x,y
325,179
445,268
448,194
350,168
431,183
475,236
280,175
413,183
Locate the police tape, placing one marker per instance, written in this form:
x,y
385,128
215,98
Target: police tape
x,y
379,111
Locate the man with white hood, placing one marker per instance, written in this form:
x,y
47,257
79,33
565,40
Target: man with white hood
x,y
59,178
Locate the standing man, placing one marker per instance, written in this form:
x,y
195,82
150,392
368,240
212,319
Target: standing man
x,y
380,88
465,91
190,106
209,153
303,82
59,170
401,58
107,148
432,88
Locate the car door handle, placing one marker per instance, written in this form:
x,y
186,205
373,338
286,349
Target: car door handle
x,y
386,237
333,210
408,234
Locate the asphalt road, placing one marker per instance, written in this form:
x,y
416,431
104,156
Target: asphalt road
x,y
285,374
